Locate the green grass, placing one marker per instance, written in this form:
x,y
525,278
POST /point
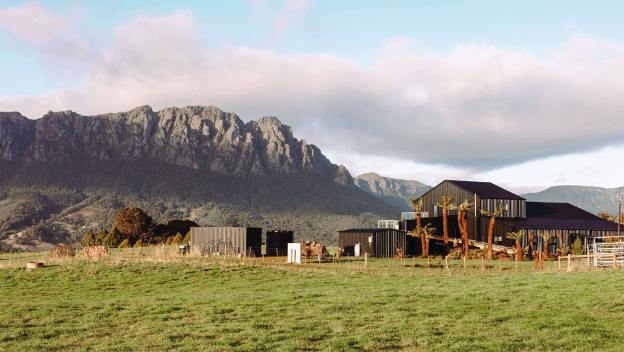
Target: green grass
x,y
128,305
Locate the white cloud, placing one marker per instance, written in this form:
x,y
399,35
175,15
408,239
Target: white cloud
x,y
52,34
472,109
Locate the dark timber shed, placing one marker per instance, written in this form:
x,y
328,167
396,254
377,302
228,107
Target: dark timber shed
x,y
235,241
382,243
277,242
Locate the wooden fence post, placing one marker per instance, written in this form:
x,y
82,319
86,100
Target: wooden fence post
x,y
366,260
569,262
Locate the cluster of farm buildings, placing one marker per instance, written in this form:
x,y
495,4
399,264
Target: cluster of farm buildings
x,y
566,223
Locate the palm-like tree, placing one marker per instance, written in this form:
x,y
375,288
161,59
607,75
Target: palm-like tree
x,y
425,234
446,203
462,212
517,237
493,215
545,235
417,203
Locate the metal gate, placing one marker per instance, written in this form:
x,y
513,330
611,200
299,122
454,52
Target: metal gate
x,y
608,251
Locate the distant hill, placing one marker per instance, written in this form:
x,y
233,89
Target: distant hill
x,y
592,199
65,173
394,191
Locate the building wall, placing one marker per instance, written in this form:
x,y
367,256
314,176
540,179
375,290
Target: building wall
x,y
512,208
225,240
348,240
434,195
277,242
386,242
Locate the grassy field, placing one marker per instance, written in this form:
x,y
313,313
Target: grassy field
x,y
129,303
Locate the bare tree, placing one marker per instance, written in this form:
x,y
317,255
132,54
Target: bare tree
x,y
446,203
493,215
517,237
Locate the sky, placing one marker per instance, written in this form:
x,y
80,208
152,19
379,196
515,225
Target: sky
x,y
526,94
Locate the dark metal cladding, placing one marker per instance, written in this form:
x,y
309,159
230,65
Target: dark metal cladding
x,y
513,206
277,242
382,243
235,241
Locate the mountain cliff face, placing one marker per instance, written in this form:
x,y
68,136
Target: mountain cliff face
x,y
196,137
71,172
396,192
592,199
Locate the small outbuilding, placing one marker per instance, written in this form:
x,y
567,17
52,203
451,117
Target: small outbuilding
x,y
277,242
382,243
234,241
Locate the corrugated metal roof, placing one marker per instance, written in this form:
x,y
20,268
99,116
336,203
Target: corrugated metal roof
x,y
485,189
559,216
558,211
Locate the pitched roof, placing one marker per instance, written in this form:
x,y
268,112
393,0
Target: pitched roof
x,y
559,216
485,189
557,211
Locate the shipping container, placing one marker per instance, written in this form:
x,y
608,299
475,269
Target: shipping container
x,y
277,242
231,241
382,243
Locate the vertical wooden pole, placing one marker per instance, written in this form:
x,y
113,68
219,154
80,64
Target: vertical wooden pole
x,y
569,262
516,261
482,264
464,263
366,260
446,261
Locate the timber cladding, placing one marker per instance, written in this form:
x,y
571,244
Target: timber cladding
x,y
483,195
236,241
382,243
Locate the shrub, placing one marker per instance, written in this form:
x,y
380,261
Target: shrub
x,y
577,247
88,239
138,244
177,239
125,244
187,238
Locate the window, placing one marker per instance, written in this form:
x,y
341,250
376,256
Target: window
x,y
435,210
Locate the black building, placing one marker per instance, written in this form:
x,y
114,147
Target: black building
x,y
382,243
565,221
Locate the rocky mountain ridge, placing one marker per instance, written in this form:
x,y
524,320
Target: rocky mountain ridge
x,y
196,137
394,191
66,173
592,199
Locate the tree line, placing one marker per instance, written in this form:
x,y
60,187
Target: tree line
x,y
132,227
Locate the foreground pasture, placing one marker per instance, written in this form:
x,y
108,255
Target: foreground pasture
x,y
128,304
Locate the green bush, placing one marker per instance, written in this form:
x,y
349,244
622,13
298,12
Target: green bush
x,y
177,239
577,247
88,239
187,238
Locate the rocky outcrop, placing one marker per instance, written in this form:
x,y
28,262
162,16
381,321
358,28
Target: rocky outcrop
x,y
396,192
16,134
197,137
